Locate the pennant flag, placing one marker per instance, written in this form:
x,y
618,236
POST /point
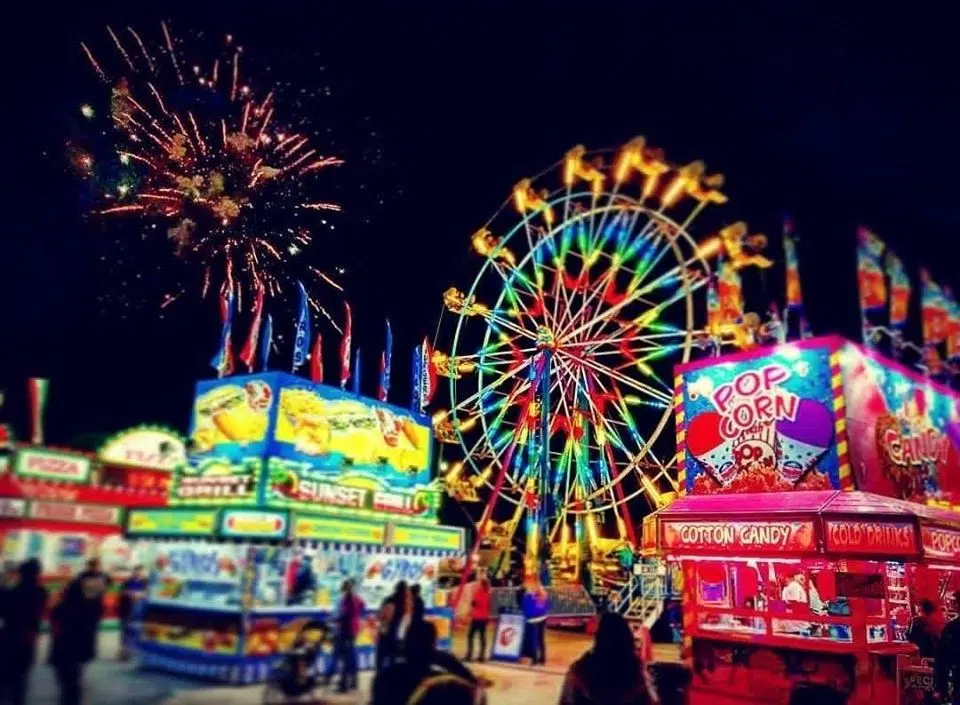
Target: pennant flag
x,y
899,291
249,350
386,362
37,390
266,344
933,309
870,281
345,347
730,294
316,361
416,379
301,341
222,362
356,372
953,326
794,293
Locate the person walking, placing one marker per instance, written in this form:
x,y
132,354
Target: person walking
x,y
391,613
922,632
21,612
947,664
411,672
75,623
611,673
536,605
344,654
479,617
133,590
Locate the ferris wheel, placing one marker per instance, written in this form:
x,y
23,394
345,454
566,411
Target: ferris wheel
x,y
559,365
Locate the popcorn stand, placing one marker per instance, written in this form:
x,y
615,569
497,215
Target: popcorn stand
x,y
290,488
819,482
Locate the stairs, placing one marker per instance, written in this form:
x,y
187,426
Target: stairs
x,y
641,598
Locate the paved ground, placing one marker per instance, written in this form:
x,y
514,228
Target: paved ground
x,y
111,683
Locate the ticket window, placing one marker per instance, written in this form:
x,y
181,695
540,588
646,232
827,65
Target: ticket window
x,y
731,596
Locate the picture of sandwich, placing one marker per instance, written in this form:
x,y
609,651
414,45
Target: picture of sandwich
x,y
224,415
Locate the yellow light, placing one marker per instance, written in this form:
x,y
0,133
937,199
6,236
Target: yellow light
x,y
621,527
709,248
87,111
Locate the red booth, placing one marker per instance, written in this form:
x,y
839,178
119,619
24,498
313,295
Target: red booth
x,y
54,506
819,480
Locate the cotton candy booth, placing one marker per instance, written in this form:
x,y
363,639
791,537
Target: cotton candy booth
x,y
819,481
290,488
64,507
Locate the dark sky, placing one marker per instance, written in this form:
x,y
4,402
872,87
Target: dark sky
x,y
838,119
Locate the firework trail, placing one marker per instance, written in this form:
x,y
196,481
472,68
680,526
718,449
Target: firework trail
x,y
211,165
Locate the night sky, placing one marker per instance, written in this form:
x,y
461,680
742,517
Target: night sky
x,y
439,109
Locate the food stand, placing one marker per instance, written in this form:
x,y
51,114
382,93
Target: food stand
x,y
289,489
815,469
54,507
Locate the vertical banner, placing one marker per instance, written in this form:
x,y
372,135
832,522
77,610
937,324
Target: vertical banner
x,y
899,291
266,344
386,362
301,341
428,378
222,362
345,346
249,351
416,375
714,318
356,372
37,389
730,291
794,292
953,326
933,308
870,282
316,361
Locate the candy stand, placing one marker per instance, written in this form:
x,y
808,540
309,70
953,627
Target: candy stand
x,y
290,488
852,461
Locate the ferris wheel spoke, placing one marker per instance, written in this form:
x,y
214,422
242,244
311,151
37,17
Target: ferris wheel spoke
x,y
663,395
473,398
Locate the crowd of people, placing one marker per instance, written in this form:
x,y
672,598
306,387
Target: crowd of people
x,y
410,669
74,626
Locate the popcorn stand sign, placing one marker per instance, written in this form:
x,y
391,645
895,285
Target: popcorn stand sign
x,y
763,423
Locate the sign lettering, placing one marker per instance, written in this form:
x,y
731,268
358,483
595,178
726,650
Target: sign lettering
x,y
754,397
171,522
13,508
253,524
750,535
871,537
78,513
52,466
941,543
226,487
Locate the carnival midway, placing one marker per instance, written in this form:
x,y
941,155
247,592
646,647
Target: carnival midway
x,y
768,511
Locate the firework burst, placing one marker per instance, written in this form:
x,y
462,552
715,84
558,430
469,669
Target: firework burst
x,y
204,160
